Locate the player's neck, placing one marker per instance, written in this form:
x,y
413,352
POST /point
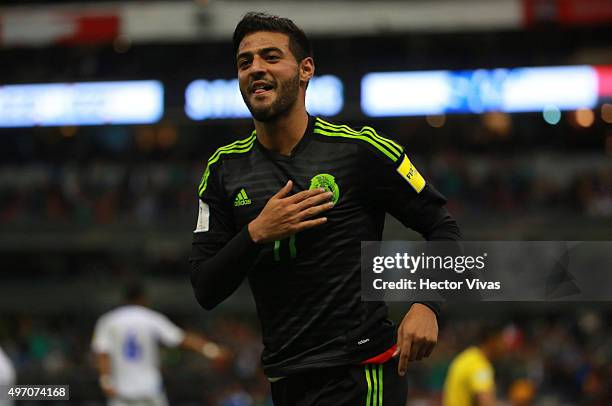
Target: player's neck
x,y
284,133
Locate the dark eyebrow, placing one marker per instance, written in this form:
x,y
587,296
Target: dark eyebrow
x,y
259,51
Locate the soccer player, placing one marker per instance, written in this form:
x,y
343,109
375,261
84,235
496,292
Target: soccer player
x,y
470,379
7,376
126,345
287,208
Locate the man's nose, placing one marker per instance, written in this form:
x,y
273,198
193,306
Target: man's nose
x,y
257,66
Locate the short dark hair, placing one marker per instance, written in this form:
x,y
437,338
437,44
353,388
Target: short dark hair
x,y
252,22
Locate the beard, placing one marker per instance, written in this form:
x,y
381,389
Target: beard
x,y
286,96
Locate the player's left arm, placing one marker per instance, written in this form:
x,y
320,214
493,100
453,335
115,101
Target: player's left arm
x,y
404,193
103,364
209,349
101,345
172,335
417,334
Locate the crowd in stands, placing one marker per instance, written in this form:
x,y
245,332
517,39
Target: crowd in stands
x,y
550,360
157,194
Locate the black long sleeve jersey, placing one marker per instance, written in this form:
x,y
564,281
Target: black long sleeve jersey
x,y
307,287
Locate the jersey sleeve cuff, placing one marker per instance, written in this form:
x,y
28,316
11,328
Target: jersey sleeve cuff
x,y
434,306
247,242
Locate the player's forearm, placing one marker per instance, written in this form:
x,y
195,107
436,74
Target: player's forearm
x,y
207,348
103,364
215,277
193,342
435,307
445,229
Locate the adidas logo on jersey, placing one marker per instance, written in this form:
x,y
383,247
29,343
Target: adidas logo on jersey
x,y
242,199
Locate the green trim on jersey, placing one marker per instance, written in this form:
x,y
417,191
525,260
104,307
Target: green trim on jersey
x,y
277,250
375,383
380,383
374,396
292,249
385,145
369,395
236,147
394,146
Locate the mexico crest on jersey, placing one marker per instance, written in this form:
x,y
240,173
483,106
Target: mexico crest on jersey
x,y
327,182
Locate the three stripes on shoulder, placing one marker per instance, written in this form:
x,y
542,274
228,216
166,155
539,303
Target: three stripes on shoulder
x,y
236,147
386,146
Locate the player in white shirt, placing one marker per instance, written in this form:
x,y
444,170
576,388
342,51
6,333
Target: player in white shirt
x,y
7,375
126,343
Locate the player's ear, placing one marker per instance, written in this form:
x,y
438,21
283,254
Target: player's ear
x,y
307,69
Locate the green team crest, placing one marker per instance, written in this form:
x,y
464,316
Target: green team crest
x,y
327,182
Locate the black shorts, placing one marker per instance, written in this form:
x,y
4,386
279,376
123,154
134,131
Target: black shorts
x,y
350,385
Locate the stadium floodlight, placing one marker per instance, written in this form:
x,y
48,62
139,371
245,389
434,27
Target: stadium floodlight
x,y
507,90
566,87
325,96
405,93
84,103
221,99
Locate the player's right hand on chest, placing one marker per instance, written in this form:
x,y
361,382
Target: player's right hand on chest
x,y
284,214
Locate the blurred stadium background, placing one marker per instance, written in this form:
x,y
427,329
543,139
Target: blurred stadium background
x,y
98,184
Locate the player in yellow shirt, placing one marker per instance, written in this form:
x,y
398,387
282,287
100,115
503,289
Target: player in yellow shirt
x,y
471,379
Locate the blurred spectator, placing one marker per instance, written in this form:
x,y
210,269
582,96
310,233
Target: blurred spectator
x,y
154,194
7,375
550,359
